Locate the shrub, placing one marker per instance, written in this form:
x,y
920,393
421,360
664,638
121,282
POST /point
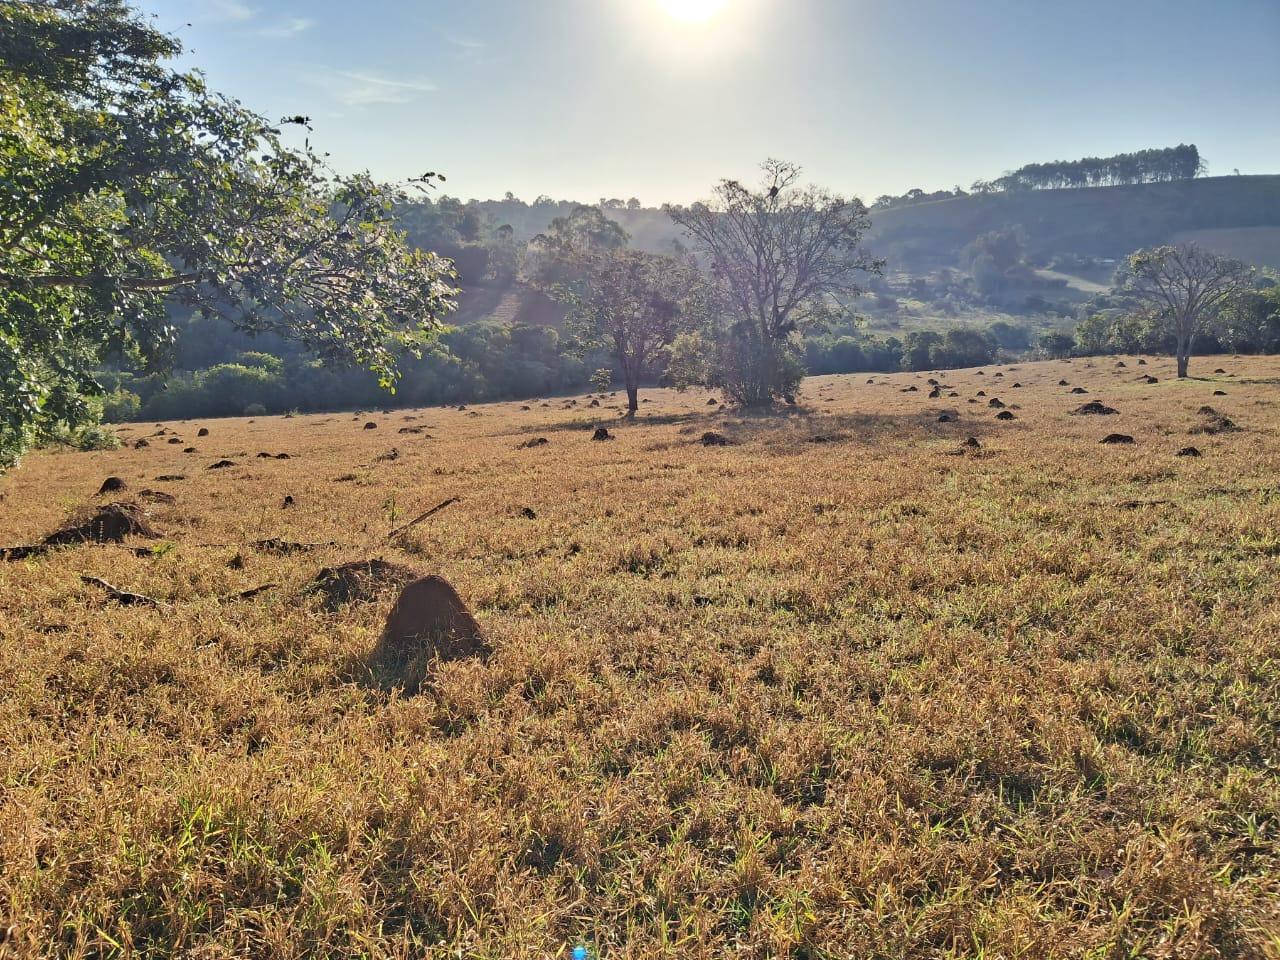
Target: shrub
x,y
121,406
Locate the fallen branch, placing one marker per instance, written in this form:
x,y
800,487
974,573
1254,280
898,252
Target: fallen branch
x,y
121,596
26,550
285,547
252,592
420,517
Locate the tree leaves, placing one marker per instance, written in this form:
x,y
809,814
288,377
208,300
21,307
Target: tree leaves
x,y
127,188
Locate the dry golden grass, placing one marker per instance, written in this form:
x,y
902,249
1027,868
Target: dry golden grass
x,y
864,698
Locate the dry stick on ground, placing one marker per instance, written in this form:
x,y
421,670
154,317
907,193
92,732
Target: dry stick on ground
x,y
251,592
420,517
27,550
121,596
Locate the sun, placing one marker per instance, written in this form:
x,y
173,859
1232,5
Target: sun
x,y
693,11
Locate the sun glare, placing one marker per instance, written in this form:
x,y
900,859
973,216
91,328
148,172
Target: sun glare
x,y
693,11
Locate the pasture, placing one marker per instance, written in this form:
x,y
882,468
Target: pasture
x,y
841,686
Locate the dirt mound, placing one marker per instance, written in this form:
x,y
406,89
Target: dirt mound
x,y
1120,364
935,393
1218,424
139,444
981,393
1207,411
170,478
174,440
157,496
202,432
1063,383
1188,452
971,443
358,582
946,418
429,624
110,523
112,485
411,429
713,439
714,402
1219,370
533,442
1078,390
602,433
1094,408
528,513
995,403
911,389
1141,362
1117,438
1005,415
222,465
1150,379
370,425
1219,393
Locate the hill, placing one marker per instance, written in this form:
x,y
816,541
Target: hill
x,y
1093,222
843,687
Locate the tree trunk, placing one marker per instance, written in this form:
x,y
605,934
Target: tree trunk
x,y
633,399
1183,359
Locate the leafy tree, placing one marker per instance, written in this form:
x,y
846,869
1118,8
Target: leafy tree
x,y
128,186
622,301
1010,336
1252,323
917,349
963,347
787,256
1182,289
1056,345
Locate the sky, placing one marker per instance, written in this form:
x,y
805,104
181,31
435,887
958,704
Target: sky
x,y
659,99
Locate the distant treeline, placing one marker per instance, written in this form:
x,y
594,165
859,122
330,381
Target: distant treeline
x,y
1182,162
1145,166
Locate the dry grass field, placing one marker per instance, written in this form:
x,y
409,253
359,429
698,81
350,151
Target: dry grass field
x,y
842,688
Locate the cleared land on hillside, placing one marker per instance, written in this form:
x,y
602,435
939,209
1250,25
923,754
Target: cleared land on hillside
x,y
840,688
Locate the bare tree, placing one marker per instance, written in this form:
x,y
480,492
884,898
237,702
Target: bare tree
x,y
1182,289
786,255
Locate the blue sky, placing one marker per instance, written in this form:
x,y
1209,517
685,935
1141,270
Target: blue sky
x,y
583,99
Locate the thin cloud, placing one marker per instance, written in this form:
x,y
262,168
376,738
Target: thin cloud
x,y
358,88
287,28
465,43
226,11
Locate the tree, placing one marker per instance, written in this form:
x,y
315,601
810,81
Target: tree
x,y
786,256
1183,289
625,301
918,348
558,254
1056,345
129,187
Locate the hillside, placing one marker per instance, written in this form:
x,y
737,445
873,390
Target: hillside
x,y
1102,222
844,687
1239,215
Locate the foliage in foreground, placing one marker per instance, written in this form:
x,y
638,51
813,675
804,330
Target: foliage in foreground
x,y
126,187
